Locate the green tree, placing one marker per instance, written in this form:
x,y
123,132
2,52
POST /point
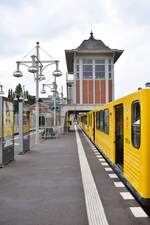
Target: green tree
x,y
16,95
10,94
18,90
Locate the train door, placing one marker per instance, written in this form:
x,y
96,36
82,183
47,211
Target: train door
x,y
119,135
93,126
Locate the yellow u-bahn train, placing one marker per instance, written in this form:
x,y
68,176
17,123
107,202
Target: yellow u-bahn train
x,y
121,130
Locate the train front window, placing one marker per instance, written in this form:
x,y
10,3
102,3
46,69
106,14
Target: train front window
x,y
136,124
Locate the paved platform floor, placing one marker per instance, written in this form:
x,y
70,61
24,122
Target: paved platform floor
x,y
45,187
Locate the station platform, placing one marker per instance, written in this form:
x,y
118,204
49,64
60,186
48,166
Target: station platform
x,y
65,181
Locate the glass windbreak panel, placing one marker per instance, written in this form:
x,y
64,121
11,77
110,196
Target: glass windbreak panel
x,y
100,71
136,124
106,121
87,71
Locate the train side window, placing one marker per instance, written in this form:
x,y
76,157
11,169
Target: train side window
x,y
90,121
101,118
97,120
136,124
106,121
84,119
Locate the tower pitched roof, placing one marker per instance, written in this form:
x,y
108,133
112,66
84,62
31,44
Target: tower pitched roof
x,y
92,44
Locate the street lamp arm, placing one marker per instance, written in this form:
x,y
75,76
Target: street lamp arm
x,y
24,64
49,61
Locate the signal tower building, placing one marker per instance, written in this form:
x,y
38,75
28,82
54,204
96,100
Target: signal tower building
x,y
92,68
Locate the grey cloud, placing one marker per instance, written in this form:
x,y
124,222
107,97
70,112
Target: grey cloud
x,y
44,21
134,12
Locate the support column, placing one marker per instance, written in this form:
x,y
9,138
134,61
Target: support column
x,y
37,98
21,125
81,81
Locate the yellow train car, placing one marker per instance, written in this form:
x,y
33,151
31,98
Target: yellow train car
x,y
82,121
91,124
121,130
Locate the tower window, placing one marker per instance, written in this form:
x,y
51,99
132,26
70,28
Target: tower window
x,y
100,61
87,68
87,61
110,68
87,71
77,71
100,69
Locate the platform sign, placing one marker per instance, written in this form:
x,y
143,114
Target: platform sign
x,y
7,131
26,131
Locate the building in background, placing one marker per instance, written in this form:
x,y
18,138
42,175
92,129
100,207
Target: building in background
x,y
90,78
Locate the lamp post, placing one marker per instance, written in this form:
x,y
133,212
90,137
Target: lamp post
x,y
53,87
36,67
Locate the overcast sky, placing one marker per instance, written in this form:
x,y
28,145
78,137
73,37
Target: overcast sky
x,y
64,24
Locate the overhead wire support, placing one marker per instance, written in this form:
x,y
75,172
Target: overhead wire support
x,y
46,53
27,54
